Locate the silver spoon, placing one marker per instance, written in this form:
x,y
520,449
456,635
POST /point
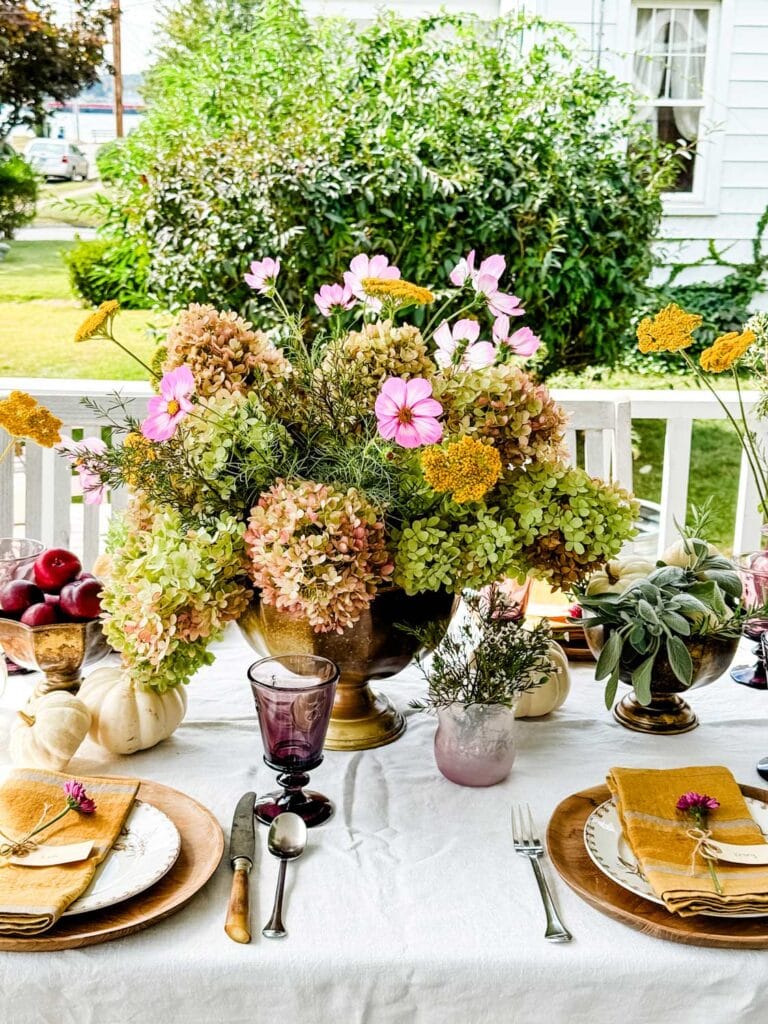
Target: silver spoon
x,y
286,841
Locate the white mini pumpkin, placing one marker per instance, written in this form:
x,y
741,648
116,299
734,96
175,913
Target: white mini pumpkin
x,y
552,693
617,575
126,717
49,730
682,555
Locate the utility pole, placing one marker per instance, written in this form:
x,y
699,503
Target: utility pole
x,y
117,63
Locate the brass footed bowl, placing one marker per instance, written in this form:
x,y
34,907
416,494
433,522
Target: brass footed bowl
x,y
60,650
668,713
372,648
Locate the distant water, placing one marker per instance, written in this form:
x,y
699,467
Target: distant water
x,y
93,127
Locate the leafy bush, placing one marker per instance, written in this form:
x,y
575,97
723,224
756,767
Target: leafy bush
x,y
268,134
107,269
108,160
18,194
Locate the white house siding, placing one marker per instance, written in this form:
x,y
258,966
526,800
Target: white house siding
x,y
739,173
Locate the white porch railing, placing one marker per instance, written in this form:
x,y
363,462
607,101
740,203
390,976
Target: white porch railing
x,y
37,490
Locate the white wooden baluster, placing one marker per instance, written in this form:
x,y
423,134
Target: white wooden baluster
x,y
674,480
6,488
621,453
33,491
748,517
570,443
91,523
597,453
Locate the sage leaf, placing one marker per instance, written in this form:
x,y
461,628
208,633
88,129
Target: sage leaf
x,y
609,656
641,681
680,659
611,687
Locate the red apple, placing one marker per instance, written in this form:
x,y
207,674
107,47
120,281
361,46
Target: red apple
x,y
80,600
52,599
17,595
40,615
85,576
55,567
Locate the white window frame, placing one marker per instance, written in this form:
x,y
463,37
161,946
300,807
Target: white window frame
x,y
704,199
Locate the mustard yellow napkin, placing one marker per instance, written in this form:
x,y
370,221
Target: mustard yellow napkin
x,y
33,899
656,832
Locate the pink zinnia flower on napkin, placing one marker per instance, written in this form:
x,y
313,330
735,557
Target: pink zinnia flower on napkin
x,y
697,802
263,275
77,798
477,353
406,411
90,482
170,406
334,297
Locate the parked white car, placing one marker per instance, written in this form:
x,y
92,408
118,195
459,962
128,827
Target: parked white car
x,y
55,158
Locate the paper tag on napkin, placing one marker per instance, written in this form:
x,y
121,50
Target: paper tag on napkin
x,y
48,856
733,854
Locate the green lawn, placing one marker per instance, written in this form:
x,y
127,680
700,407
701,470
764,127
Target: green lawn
x,y
39,316
60,203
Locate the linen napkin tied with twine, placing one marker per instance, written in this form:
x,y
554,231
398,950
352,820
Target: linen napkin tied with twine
x,y
32,899
657,834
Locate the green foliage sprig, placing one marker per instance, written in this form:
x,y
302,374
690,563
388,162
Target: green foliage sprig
x,y
490,658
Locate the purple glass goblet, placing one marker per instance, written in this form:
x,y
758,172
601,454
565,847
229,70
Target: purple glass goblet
x,y
753,570
294,697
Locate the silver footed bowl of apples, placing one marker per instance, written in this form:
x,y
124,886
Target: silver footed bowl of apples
x,y
50,621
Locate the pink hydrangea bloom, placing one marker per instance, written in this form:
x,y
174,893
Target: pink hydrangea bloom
x,y
523,341
334,297
476,354
90,482
167,409
407,412
263,275
363,266
77,798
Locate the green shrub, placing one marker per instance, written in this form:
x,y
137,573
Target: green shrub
x,y
109,160
18,194
104,269
268,134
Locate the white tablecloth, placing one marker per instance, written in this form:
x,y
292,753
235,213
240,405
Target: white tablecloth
x,y
409,906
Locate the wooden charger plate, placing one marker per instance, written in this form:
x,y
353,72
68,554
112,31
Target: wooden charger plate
x,y
202,844
565,841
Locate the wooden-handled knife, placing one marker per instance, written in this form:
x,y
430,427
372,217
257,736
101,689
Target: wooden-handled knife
x,y
242,843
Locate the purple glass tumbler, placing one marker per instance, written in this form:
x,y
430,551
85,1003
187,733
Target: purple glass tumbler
x,y
294,697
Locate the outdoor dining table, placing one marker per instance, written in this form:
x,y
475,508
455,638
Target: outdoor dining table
x,y
409,906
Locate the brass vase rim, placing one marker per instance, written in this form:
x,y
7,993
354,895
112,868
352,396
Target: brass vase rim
x,y
47,625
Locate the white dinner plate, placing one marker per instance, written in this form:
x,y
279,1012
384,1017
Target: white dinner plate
x,y
611,854
145,850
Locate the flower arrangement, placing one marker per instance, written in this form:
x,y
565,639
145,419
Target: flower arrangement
x,y
697,808
22,417
320,471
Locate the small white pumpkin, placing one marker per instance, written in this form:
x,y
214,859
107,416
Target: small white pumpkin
x,y
49,730
126,717
552,693
682,556
617,575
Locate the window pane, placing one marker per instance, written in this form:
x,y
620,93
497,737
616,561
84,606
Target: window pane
x,y
676,125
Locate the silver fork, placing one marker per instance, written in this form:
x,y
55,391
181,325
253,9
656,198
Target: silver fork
x,y
528,845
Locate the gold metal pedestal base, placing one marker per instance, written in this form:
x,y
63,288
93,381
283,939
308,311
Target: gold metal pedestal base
x,y
668,715
377,723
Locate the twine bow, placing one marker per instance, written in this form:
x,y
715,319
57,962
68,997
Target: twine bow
x,y
21,847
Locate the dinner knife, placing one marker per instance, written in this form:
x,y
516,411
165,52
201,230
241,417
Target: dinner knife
x,y
242,844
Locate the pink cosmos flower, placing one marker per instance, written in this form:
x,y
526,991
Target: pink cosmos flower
x,y
363,266
492,266
523,341
476,354
333,298
263,275
90,482
77,798
170,406
406,411
464,270
697,802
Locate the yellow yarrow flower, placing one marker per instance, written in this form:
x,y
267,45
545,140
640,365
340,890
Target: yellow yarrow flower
x,y
726,350
23,417
95,325
404,293
139,449
670,330
467,467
